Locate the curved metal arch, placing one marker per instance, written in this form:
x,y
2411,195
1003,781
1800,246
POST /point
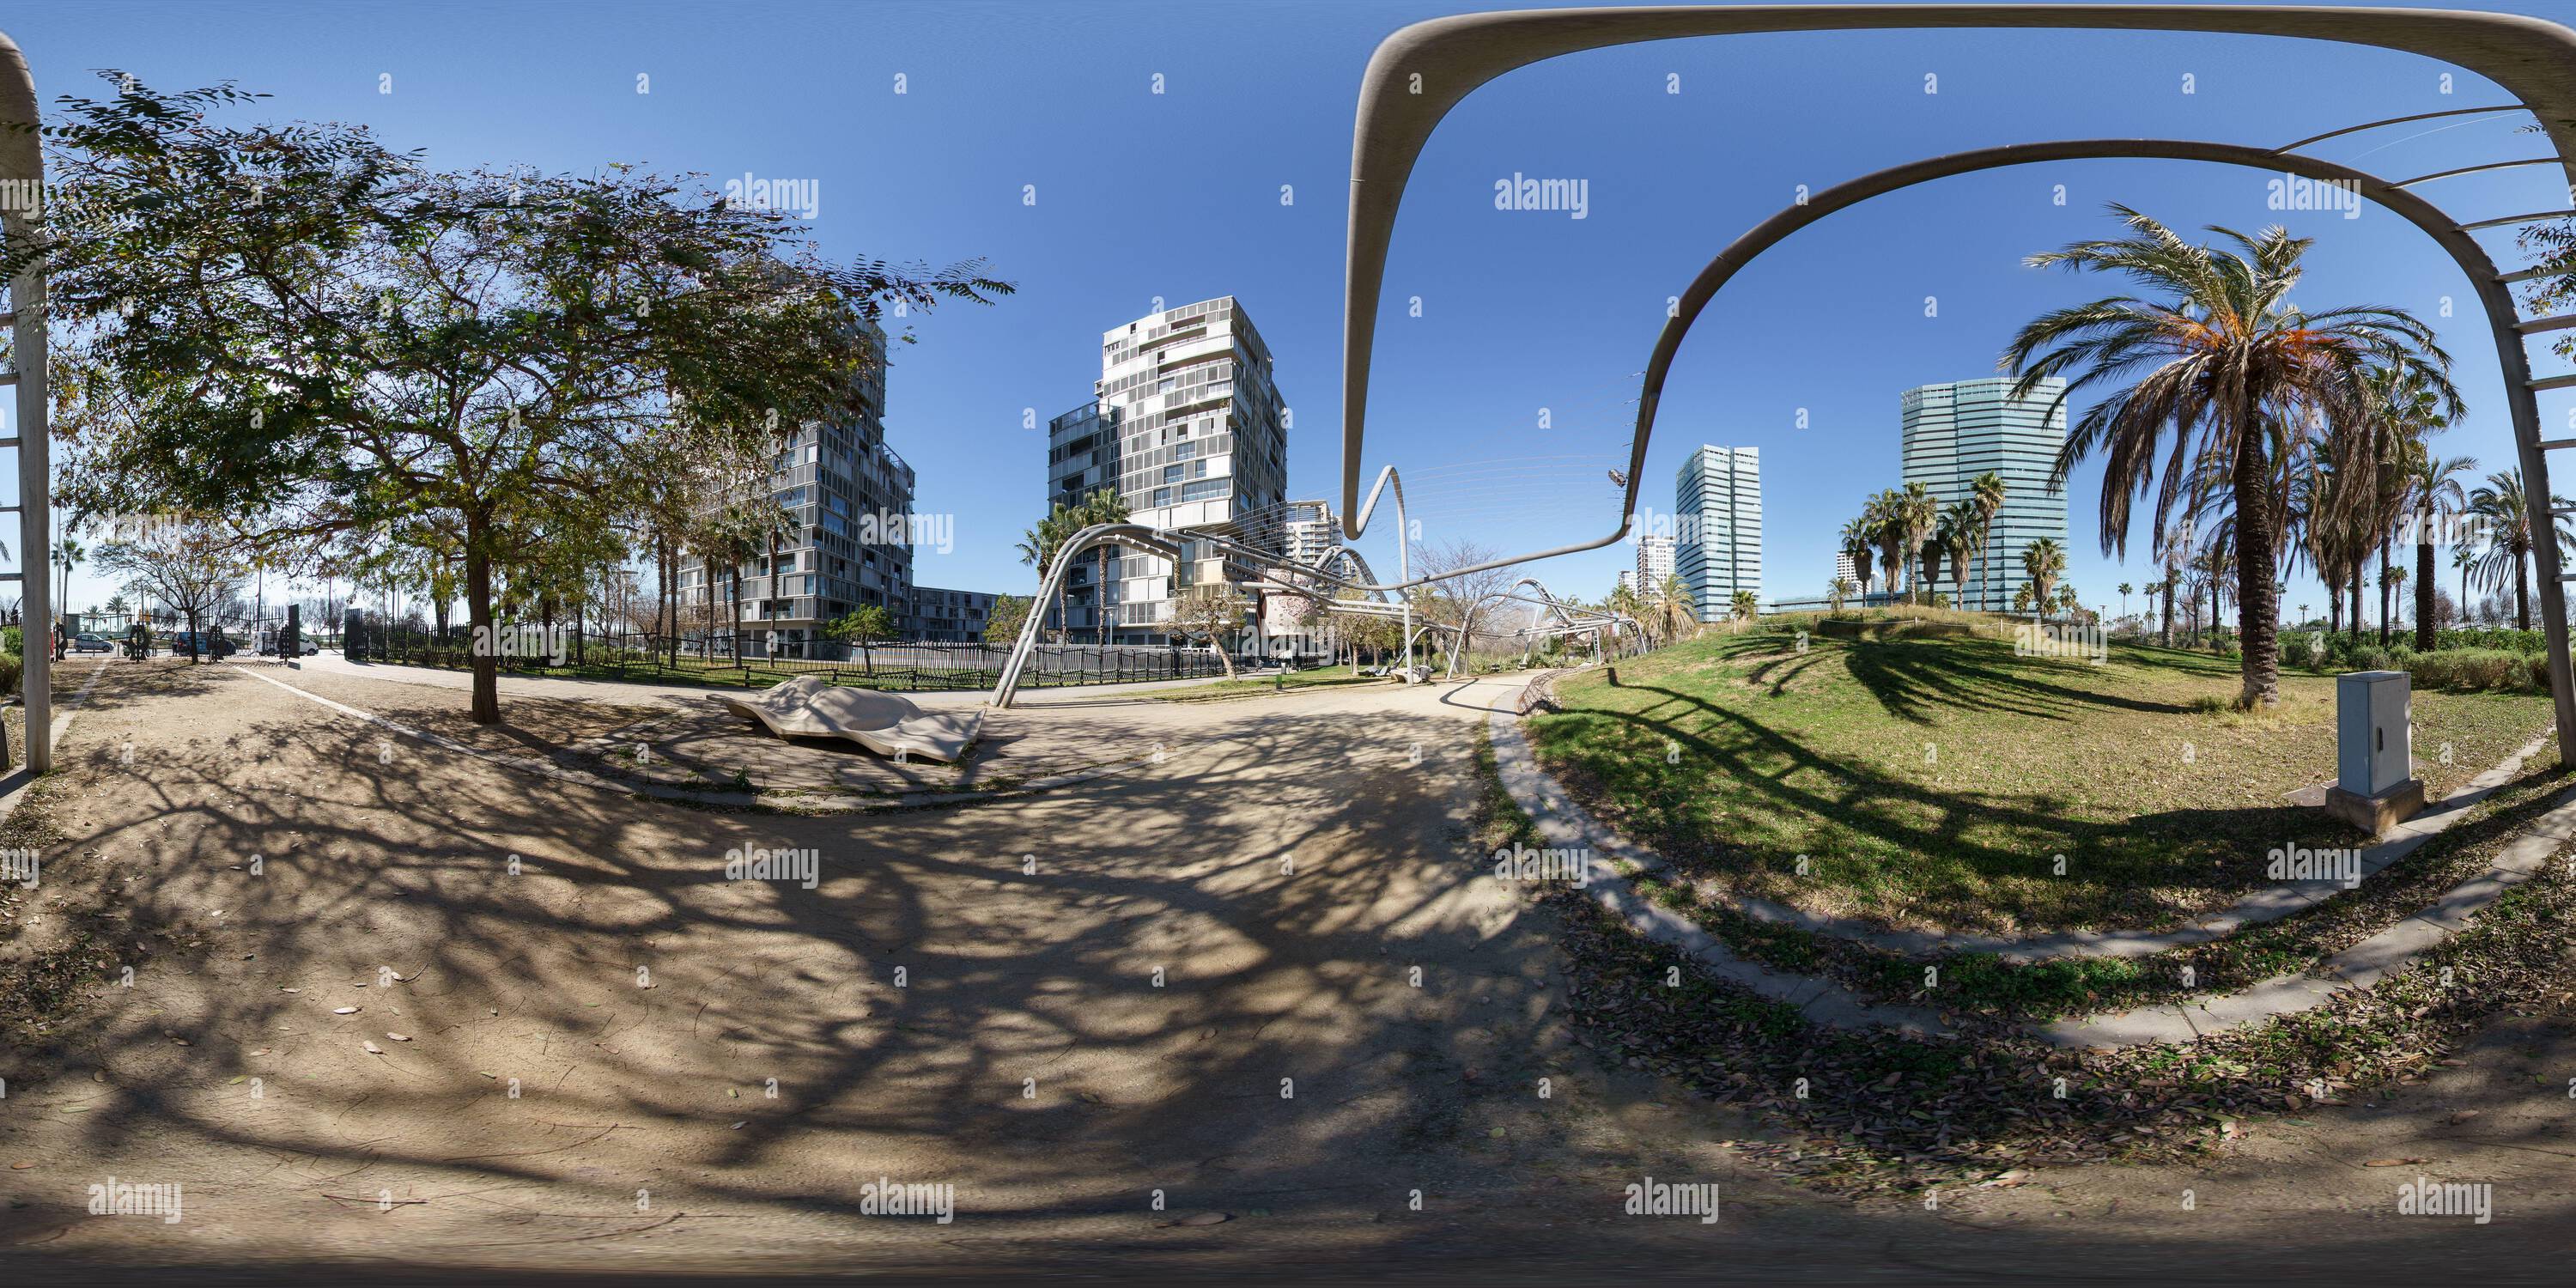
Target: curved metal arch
x,y
2503,318
1417,74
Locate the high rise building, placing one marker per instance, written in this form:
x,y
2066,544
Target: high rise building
x,y
1717,503
1310,531
1845,570
1627,579
1654,563
950,615
1959,430
849,499
1186,426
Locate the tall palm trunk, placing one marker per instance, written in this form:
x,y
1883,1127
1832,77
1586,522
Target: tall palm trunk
x,y
2258,596
2383,592
2521,595
2166,617
2424,591
2355,591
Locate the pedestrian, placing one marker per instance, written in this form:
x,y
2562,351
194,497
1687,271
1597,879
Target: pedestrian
x,y
61,638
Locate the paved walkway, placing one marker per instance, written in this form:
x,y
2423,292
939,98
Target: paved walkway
x,y
1105,1018
634,692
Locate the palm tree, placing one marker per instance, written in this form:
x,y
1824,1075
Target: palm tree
x,y
1743,606
2125,588
1986,492
2435,490
1858,539
2464,558
2044,560
67,552
1958,540
1836,591
2509,538
1917,513
1673,605
1102,506
2238,359
1038,547
1885,515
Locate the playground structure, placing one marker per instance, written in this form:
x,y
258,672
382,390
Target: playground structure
x,y
1421,71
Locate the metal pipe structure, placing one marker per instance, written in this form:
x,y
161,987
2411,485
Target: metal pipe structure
x,y
1417,74
22,174
2503,319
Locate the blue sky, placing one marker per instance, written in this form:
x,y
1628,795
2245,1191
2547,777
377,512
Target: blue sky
x,y
1178,196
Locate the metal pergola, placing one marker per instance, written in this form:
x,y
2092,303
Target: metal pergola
x,y
1421,71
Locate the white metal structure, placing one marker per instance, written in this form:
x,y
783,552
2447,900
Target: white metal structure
x,y
22,174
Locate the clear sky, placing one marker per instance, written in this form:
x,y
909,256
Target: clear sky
x,y
1233,179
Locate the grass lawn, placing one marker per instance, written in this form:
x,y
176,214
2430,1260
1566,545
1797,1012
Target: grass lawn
x,y
1933,783
1322,677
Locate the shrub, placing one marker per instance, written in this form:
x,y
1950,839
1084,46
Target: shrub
x,y
10,669
2299,650
13,641
2479,670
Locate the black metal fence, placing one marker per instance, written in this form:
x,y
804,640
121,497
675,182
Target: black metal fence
x,y
915,665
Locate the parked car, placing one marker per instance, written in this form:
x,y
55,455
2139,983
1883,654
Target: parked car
x,y
201,643
91,642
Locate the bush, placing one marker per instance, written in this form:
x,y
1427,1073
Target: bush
x,y
2492,637
10,670
2479,670
13,641
2299,649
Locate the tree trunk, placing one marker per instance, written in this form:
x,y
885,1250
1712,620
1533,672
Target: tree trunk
x,y
1100,593
2424,594
2334,612
2355,591
2165,618
2258,597
2383,593
478,618
2521,596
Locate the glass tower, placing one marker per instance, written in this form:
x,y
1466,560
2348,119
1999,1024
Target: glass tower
x,y
1717,500
1961,429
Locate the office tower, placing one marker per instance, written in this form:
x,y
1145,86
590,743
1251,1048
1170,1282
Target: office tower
x,y
849,499
1717,502
1654,564
1961,429
1186,426
1845,571
1628,579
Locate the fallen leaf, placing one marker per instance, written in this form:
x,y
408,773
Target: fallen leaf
x,y
398,1037
372,1048
2393,1162
1201,1218
344,1010
2463,1116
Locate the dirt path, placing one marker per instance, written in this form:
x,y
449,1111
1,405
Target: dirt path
x,y
1166,1002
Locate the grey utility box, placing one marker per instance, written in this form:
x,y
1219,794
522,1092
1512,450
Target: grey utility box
x,y
2375,784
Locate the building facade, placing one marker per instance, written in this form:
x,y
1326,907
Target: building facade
x,y
1654,564
1959,430
1186,426
1846,570
1717,500
848,497
949,615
